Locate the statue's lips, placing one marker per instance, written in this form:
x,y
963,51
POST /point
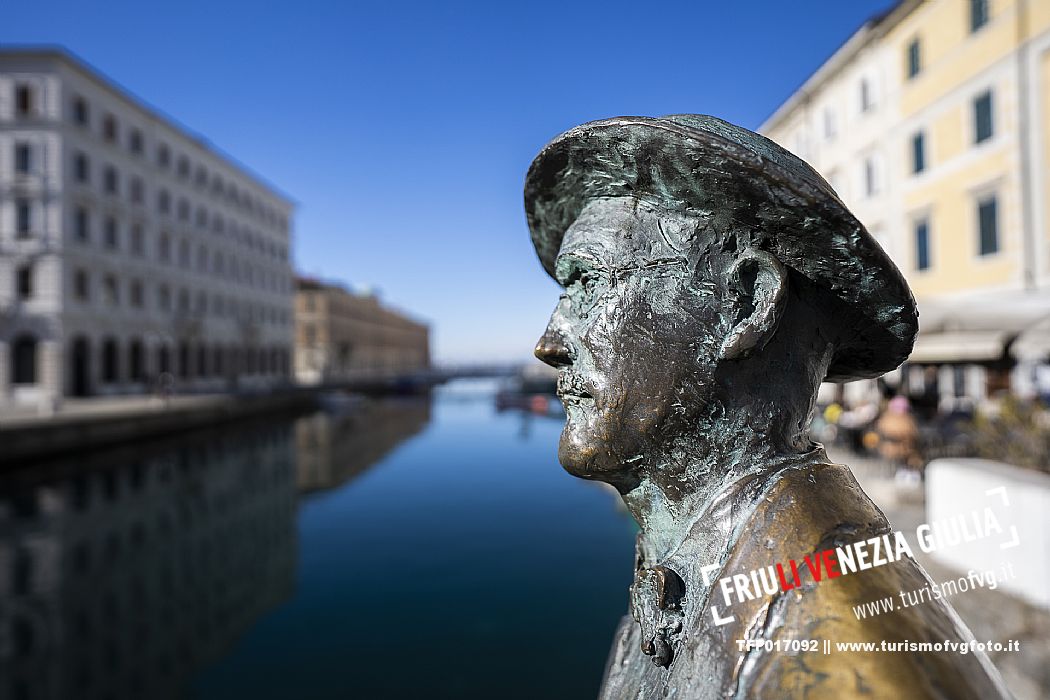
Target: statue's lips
x,y
571,387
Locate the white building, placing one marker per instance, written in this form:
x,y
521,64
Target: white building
x,y
129,247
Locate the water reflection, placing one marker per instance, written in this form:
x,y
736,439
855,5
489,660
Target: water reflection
x,y
123,573
447,540
333,448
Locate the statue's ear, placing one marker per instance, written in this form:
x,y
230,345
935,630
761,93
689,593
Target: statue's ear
x,y
761,283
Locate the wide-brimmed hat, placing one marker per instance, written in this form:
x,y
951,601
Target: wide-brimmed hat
x,y
738,179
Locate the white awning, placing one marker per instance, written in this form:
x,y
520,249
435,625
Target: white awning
x,y
1032,345
959,346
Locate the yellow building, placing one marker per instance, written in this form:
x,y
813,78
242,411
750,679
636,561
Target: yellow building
x,y
933,124
342,336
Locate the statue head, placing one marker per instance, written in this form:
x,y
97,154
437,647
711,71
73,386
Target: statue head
x,y
711,281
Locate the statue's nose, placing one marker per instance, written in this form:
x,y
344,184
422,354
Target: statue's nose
x,y
553,349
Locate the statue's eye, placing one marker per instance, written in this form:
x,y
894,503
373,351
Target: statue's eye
x,y
577,276
583,284
586,283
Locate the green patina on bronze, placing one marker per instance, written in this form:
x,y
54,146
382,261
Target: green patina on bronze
x,y
712,281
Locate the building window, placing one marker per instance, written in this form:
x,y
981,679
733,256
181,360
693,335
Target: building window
x,y
988,225
138,246
136,361
111,290
136,190
202,217
24,282
110,180
110,361
870,177
23,218
81,111
914,58
109,128
81,168
184,360
866,102
163,359
24,102
23,360
164,298
112,238
135,142
81,285
922,244
164,248
184,253
82,224
163,202
183,168
163,156
982,117
978,14
135,295
918,152
183,210
201,177
23,158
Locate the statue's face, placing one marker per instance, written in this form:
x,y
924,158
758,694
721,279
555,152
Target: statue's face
x,y
634,335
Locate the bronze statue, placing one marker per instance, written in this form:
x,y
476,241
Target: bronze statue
x,y
711,281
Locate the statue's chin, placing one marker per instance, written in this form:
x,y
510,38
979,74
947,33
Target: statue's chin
x,y
582,456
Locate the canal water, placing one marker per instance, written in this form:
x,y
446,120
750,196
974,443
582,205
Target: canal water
x,y
407,548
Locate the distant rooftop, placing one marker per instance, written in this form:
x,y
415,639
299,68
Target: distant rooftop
x,y
315,284
64,55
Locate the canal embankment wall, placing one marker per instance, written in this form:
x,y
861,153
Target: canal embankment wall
x,y
98,423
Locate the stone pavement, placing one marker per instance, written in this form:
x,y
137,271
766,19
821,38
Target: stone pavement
x,y
993,615
25,414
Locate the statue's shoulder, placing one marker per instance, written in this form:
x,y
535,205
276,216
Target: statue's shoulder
x,y
821,507
811,503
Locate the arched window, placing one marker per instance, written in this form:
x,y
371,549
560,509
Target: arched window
x,y
163,359
136,361
110,360
184,360
23,360
217,365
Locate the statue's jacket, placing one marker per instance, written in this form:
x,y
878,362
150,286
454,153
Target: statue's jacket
x,y
799,510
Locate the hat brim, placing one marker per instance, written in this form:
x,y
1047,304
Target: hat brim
x,y
737,179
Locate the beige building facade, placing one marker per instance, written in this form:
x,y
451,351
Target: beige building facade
x,y
132,253
344,336
933,124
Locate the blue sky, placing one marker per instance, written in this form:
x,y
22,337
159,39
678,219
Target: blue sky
x,y
404,130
